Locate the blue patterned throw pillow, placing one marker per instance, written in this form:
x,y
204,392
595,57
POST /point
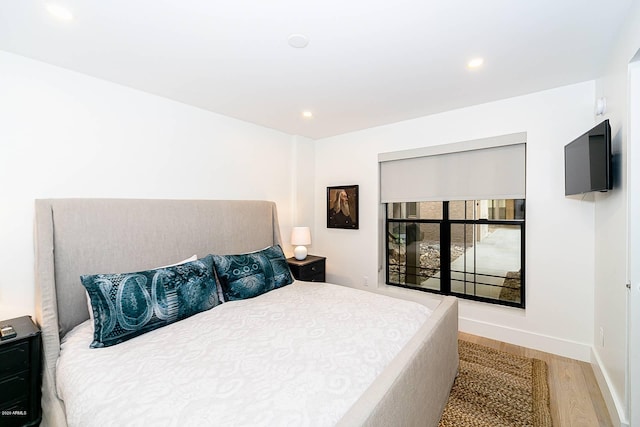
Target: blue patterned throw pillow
x,y
249,275
130,304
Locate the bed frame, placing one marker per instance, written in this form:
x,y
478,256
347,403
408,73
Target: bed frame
x,y
88,236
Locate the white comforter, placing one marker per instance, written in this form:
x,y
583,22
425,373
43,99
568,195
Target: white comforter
x,y
300,355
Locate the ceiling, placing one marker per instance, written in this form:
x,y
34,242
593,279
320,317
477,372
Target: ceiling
x,y
368,63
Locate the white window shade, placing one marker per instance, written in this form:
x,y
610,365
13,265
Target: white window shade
x,y
493,168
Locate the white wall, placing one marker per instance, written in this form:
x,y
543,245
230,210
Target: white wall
x,y
303,180
612,227
559,230
63,134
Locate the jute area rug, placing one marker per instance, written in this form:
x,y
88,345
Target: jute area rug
x,y
494,388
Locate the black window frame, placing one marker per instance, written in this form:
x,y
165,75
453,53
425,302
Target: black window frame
x,y
445,256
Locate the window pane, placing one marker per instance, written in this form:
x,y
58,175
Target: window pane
x,y
501,209
429,253
489,263
498,209
462,209
396,239
414,254
414,210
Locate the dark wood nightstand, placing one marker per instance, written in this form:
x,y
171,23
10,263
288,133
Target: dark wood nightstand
x,y
20,374
310,269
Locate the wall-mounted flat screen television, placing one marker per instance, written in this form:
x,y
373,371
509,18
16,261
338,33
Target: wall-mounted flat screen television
x,y
587,162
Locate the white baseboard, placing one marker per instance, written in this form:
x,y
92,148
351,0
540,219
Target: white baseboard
x,y
546,343
614,406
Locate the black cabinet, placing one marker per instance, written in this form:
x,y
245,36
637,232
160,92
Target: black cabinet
x,y
310,269
20,374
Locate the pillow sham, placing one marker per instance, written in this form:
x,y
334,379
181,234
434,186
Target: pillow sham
x,y
248,275
191,258
127,305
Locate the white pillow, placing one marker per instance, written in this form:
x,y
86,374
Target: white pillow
x,y
191,258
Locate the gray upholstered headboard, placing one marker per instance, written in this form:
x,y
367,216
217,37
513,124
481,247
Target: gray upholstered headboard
x,y
89,236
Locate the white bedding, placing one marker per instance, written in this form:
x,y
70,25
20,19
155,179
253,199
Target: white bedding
x,y
300,355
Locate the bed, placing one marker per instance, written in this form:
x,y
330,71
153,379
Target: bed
x,y
404,381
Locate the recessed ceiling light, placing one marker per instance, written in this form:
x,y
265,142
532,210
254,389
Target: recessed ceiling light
x,y
307,114
60,12
298,40
475,63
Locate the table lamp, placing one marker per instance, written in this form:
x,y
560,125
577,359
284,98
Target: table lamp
x,y
300,236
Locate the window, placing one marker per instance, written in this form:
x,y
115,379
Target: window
x,y
469,248
454,218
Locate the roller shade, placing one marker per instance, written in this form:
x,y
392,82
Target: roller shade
x,y
464,173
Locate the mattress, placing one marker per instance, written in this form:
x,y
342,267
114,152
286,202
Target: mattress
x,y
300,355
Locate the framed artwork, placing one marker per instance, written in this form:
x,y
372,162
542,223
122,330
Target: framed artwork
x,y
342,207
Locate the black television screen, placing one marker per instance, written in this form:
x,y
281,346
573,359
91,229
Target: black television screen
x,y
587,161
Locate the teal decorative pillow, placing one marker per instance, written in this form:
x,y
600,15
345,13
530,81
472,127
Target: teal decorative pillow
x,y
130,304
249,275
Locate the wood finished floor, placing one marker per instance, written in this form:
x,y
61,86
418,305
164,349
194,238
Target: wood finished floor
x,y
576,399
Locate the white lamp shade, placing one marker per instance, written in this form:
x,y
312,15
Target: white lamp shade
x,y
301,236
